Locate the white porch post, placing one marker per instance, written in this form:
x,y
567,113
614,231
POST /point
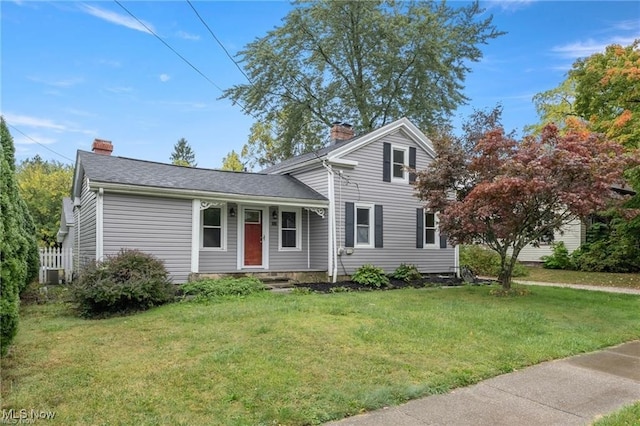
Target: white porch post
x,y
195,236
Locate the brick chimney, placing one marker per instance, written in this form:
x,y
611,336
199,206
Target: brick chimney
x,y
102,147
341,132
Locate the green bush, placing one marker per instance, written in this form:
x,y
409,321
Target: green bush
x,y
208,289
128,282
560,259
407,273
371,276
486,262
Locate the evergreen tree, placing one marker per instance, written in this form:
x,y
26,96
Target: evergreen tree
x,y
182,154
18,248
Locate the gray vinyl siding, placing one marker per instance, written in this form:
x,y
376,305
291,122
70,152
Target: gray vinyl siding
x,y
319,236
364,185
316,179
212,261
158,226
87,220
573,236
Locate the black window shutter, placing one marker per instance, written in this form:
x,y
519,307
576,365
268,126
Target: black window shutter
x,y
348,224
378,225
386,162
443,241
412,163
419,228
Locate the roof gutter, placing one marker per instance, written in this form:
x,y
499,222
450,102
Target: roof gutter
x,y
191,194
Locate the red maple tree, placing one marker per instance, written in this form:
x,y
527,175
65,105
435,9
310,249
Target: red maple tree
x,y
506,194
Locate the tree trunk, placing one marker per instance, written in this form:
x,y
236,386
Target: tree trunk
x,y
506,270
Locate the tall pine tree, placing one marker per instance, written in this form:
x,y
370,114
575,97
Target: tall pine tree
x,y
182,154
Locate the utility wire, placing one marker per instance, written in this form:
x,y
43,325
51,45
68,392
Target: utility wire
x,y
179,55
219,42
42,145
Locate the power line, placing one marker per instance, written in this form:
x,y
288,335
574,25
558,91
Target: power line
x,y
42,145
219,42
196,69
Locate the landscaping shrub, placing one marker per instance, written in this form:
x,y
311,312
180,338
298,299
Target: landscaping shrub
x,y
370,275
130,281
560,259
406,273
208,289
483,261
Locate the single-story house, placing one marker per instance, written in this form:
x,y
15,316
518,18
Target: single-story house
x,y
327,212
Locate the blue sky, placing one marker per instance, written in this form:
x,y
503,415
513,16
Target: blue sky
x,y
75,71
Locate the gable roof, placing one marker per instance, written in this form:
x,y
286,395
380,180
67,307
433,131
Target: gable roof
x,y
105,170
335,152
67,211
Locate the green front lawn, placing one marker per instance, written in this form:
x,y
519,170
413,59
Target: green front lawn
x,y
295,359
605,279
627,416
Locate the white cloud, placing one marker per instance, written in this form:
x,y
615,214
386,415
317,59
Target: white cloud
x,y
582,49
185,35
164,77
110,63
118,19
33,139
508,5
25,120
69,82
120,89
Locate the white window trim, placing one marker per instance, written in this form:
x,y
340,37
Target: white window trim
x,y
370,207
298,213
405,173
436,238
223,229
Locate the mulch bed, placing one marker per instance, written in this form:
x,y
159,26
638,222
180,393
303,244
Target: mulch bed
x,y
426,281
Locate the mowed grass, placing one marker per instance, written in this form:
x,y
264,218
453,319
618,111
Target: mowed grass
x,y
295,359
627,416
605,279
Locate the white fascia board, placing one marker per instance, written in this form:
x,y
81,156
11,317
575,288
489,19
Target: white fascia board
x,y
341,162
204,195
403,124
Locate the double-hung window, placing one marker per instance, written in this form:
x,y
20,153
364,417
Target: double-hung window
x,y
431,238
290,224
364,226
399,160
212,220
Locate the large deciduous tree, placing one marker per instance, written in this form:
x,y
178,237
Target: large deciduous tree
x,y
363,62
182,154
232,162
608,92
512,193
43,185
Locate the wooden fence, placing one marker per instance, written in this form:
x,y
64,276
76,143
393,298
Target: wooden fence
x,y
56,259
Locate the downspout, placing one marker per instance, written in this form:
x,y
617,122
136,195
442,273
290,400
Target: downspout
x,y
308,244
456,260
100,225
333,253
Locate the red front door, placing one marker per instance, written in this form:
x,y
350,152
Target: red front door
x,y
252,237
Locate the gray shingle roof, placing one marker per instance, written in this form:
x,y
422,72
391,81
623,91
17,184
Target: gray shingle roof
x,y
120,170
67,210
299,159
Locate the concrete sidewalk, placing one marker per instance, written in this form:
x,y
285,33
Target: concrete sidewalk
x,y
624,290
570,391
